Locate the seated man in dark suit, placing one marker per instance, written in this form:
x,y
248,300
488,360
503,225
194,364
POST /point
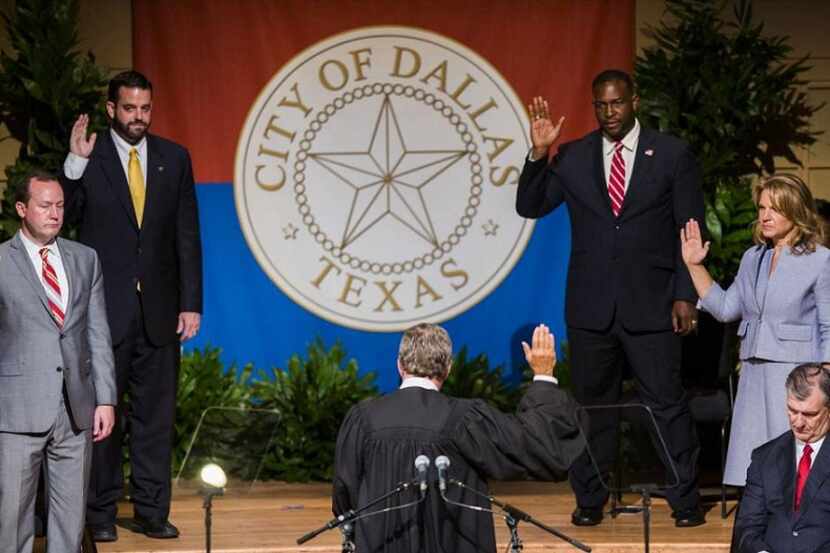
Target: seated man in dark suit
x,y
380,438
786,503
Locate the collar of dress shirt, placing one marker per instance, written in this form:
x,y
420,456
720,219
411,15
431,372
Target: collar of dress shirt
x,y
799,449
34,249
124,147
418,382
629,141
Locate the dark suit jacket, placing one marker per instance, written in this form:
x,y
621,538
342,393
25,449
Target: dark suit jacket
x,y
629,265
165,255
766,521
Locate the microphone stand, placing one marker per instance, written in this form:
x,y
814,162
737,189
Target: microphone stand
x,y
346,521
513,515
645,491
347,545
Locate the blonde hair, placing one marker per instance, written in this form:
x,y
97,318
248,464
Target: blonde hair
x,y
426,350
791,198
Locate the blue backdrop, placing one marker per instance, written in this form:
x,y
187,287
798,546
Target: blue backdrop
x,y
251,320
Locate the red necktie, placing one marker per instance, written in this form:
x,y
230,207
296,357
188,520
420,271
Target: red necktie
x,y
616,180
803,473
52,287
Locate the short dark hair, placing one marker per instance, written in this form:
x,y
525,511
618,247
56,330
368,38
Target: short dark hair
x,y
804,378
23,186
612,75
127,79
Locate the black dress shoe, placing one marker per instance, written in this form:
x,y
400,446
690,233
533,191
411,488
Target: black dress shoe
x,y
586,517
687,518
103,533
159,529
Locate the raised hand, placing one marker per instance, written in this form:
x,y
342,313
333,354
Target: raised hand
x,y
541,356
543,133
79,143
693,248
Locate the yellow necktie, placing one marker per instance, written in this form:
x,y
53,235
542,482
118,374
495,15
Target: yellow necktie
x,y
136,182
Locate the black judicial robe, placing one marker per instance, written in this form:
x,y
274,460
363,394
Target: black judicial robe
x,y
380,438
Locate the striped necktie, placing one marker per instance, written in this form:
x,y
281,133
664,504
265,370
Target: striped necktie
x,y
52,287
616,181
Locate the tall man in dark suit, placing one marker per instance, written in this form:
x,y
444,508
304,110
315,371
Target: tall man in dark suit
x,y
134,195
786,503
57,376
629,297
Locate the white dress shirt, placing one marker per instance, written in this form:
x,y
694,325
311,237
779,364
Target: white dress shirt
x,y
799,450
427,384
75,165
55,261
629,152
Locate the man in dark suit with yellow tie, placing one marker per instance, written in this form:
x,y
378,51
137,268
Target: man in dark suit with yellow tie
x,y
786,502
134,197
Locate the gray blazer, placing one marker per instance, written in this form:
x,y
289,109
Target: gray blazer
x,y
791,322
36,357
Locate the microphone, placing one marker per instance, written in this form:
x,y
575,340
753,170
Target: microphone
x,y
421,466
442,463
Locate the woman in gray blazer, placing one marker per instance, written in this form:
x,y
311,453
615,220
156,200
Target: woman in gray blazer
x,y
782,296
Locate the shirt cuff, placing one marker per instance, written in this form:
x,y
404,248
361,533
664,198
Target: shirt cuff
x,y
530,157
546,378
74,166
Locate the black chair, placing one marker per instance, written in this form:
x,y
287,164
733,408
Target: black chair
x,y
713,403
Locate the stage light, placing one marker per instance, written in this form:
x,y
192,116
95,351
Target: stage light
x,y
213,476
214,481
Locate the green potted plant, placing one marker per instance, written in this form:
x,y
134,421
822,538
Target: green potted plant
x,y
45,82
736,97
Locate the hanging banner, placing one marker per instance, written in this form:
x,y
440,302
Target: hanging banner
x,y
357,164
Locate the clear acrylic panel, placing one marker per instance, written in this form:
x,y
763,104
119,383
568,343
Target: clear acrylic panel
x,y
234,438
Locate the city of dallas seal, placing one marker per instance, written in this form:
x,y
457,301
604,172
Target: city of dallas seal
x,y
376,175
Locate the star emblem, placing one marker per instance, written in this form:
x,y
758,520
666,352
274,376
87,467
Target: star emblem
x,y
490,227
388,179
289,232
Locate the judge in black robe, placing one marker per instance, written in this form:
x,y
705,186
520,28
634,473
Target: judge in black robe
x,y
380,438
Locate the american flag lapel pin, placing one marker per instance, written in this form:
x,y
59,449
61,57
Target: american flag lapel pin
x,y
649,152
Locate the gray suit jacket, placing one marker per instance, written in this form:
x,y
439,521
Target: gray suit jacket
x,y
37,357
791,324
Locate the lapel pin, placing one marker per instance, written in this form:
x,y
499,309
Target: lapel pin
x,y
649,152
161,168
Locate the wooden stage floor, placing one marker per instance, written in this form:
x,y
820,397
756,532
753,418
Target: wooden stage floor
x,y
270,518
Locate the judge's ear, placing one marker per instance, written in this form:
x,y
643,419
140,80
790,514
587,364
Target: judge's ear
x,y
401,372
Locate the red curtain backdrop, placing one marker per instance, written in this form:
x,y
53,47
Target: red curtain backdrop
x,y
209,59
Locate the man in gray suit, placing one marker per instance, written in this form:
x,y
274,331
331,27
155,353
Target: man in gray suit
x,y
57,377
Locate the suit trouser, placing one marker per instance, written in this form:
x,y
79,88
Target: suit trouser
x,y
148,375
68,452
598,359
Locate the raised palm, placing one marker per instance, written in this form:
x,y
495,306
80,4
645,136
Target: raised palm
x,y
693,248
543,133
79,143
